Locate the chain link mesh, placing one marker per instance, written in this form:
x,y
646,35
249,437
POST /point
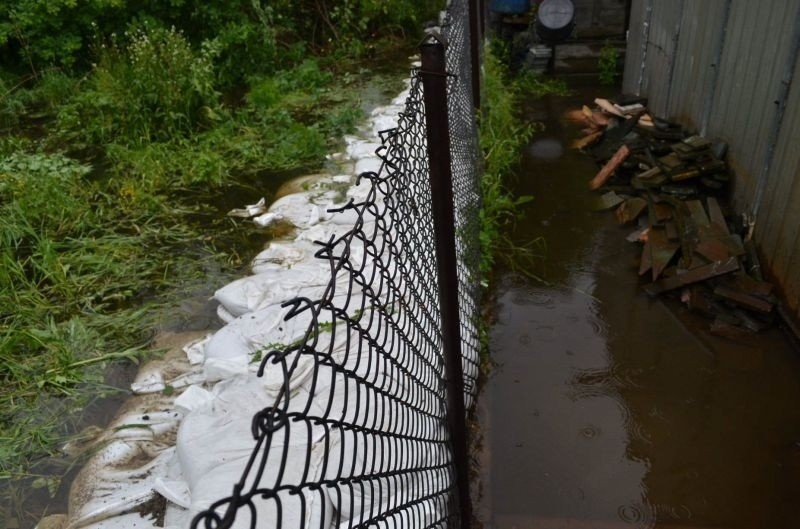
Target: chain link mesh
x,y
357,435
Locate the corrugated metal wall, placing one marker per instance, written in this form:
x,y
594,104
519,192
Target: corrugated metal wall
x,y
729,69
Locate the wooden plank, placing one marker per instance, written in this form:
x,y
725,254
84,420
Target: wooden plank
x,y
607,106
697,212
662,251
608,201
605,173
630,210
720,248
586,141
670,161
640,235
729,331
715,214
663,212
743,300
701,273
751,286
646,262
672,231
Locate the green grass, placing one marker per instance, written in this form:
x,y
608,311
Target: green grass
x,y
503,133
99,186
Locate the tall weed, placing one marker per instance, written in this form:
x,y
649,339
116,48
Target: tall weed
x,y
151,87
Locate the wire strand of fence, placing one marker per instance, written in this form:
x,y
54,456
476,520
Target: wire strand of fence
x,y
357,434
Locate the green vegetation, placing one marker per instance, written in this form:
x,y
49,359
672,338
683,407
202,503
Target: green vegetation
x,y
120,122
608,64
503,133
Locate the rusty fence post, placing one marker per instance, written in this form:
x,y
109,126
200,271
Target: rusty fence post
x,y
475,35
434,82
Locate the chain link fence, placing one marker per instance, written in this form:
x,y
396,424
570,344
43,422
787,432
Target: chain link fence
x,y
358,434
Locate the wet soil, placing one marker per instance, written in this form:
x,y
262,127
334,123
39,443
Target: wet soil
x,y
610,409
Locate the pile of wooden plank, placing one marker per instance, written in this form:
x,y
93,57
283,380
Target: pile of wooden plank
x,y
670,184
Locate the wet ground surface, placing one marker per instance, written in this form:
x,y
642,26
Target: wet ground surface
x,y
609,409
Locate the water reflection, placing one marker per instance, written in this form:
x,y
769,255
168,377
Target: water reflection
x,y
611,410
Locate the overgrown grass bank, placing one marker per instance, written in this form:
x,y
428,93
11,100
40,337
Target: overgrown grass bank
x,y
503,134
119,124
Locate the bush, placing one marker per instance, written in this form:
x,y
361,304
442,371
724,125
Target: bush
x,y
153,88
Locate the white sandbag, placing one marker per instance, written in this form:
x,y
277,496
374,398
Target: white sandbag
x,y
283,253
250,334
215,444
113,490
371,164
268,219
261,290
361,149
192,398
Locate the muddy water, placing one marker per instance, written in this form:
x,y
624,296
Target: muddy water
x,y
611,410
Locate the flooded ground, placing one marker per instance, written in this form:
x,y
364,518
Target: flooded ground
x,y
23,502
609,409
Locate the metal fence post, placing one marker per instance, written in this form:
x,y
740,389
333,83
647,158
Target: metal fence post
x,y
434,82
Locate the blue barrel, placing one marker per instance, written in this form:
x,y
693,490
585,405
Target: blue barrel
x,y
509,7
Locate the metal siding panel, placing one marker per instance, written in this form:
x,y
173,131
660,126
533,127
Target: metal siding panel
x,y
659,55
750,77
700,33
633,52
779,218
788,271
702,28
758,43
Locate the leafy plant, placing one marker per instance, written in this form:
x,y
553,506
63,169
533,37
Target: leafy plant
x,y
502,135
608,64
152,87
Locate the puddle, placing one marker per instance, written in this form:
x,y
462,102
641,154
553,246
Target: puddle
x,y
612,410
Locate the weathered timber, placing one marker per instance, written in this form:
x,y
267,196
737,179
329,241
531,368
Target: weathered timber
x,y
605,173
587,140
672,231
608,106
751,286
646,262
608,201
630,210
729,331
715,214
662,251
743,300
718,249
693,276
697,213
